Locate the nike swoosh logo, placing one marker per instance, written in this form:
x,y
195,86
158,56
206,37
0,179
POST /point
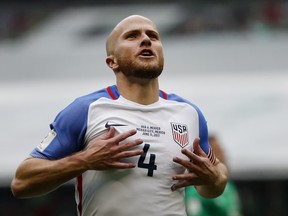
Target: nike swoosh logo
x,y
107,125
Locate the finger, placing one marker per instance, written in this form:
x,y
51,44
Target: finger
x,y
122,136
190,166
116,164
181,161
185,176
129,145
180,184
186,179
110,134
126,154
191,155
123,165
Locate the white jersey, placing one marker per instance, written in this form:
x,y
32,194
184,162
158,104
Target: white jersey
x,y
166,127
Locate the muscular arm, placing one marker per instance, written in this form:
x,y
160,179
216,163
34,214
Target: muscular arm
x,y
37,176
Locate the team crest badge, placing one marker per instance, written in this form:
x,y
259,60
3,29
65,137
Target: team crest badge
x,y
180,134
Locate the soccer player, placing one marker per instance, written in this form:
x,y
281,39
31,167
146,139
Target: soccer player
x,y
129,146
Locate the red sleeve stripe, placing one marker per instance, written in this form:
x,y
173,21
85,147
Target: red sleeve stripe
x,y
112,95
164,95
211,156
80,194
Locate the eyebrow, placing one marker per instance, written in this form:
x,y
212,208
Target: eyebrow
x,y
131,32
149,31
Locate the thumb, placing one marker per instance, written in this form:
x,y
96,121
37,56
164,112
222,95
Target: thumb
x,y
200,152
197,148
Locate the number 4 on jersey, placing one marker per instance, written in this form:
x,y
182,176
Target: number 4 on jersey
x,y
151,165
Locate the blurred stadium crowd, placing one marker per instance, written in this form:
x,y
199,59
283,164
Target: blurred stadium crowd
x,y
18,18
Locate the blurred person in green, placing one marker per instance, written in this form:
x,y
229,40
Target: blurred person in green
x,y
228,204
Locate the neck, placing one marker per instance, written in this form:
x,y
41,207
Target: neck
x,y
138,90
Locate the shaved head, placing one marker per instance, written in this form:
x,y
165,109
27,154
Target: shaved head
x,y
120,27
134,48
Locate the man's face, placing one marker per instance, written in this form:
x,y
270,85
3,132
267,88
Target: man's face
x,y
137,49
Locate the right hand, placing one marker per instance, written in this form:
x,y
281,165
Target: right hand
x,y
105,152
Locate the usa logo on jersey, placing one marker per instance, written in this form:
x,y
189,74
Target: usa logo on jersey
x,y
180,134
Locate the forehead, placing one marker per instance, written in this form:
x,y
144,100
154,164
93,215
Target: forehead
x,y
134,24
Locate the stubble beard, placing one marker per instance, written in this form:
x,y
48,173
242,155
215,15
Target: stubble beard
x,y
143,70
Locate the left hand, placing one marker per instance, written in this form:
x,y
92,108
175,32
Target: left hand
x,y
201,171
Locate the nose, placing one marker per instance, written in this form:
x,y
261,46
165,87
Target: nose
x,y
145,40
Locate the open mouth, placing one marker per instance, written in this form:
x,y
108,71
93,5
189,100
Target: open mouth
x,y
146,53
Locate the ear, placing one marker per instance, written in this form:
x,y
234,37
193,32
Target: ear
x,y
111,62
